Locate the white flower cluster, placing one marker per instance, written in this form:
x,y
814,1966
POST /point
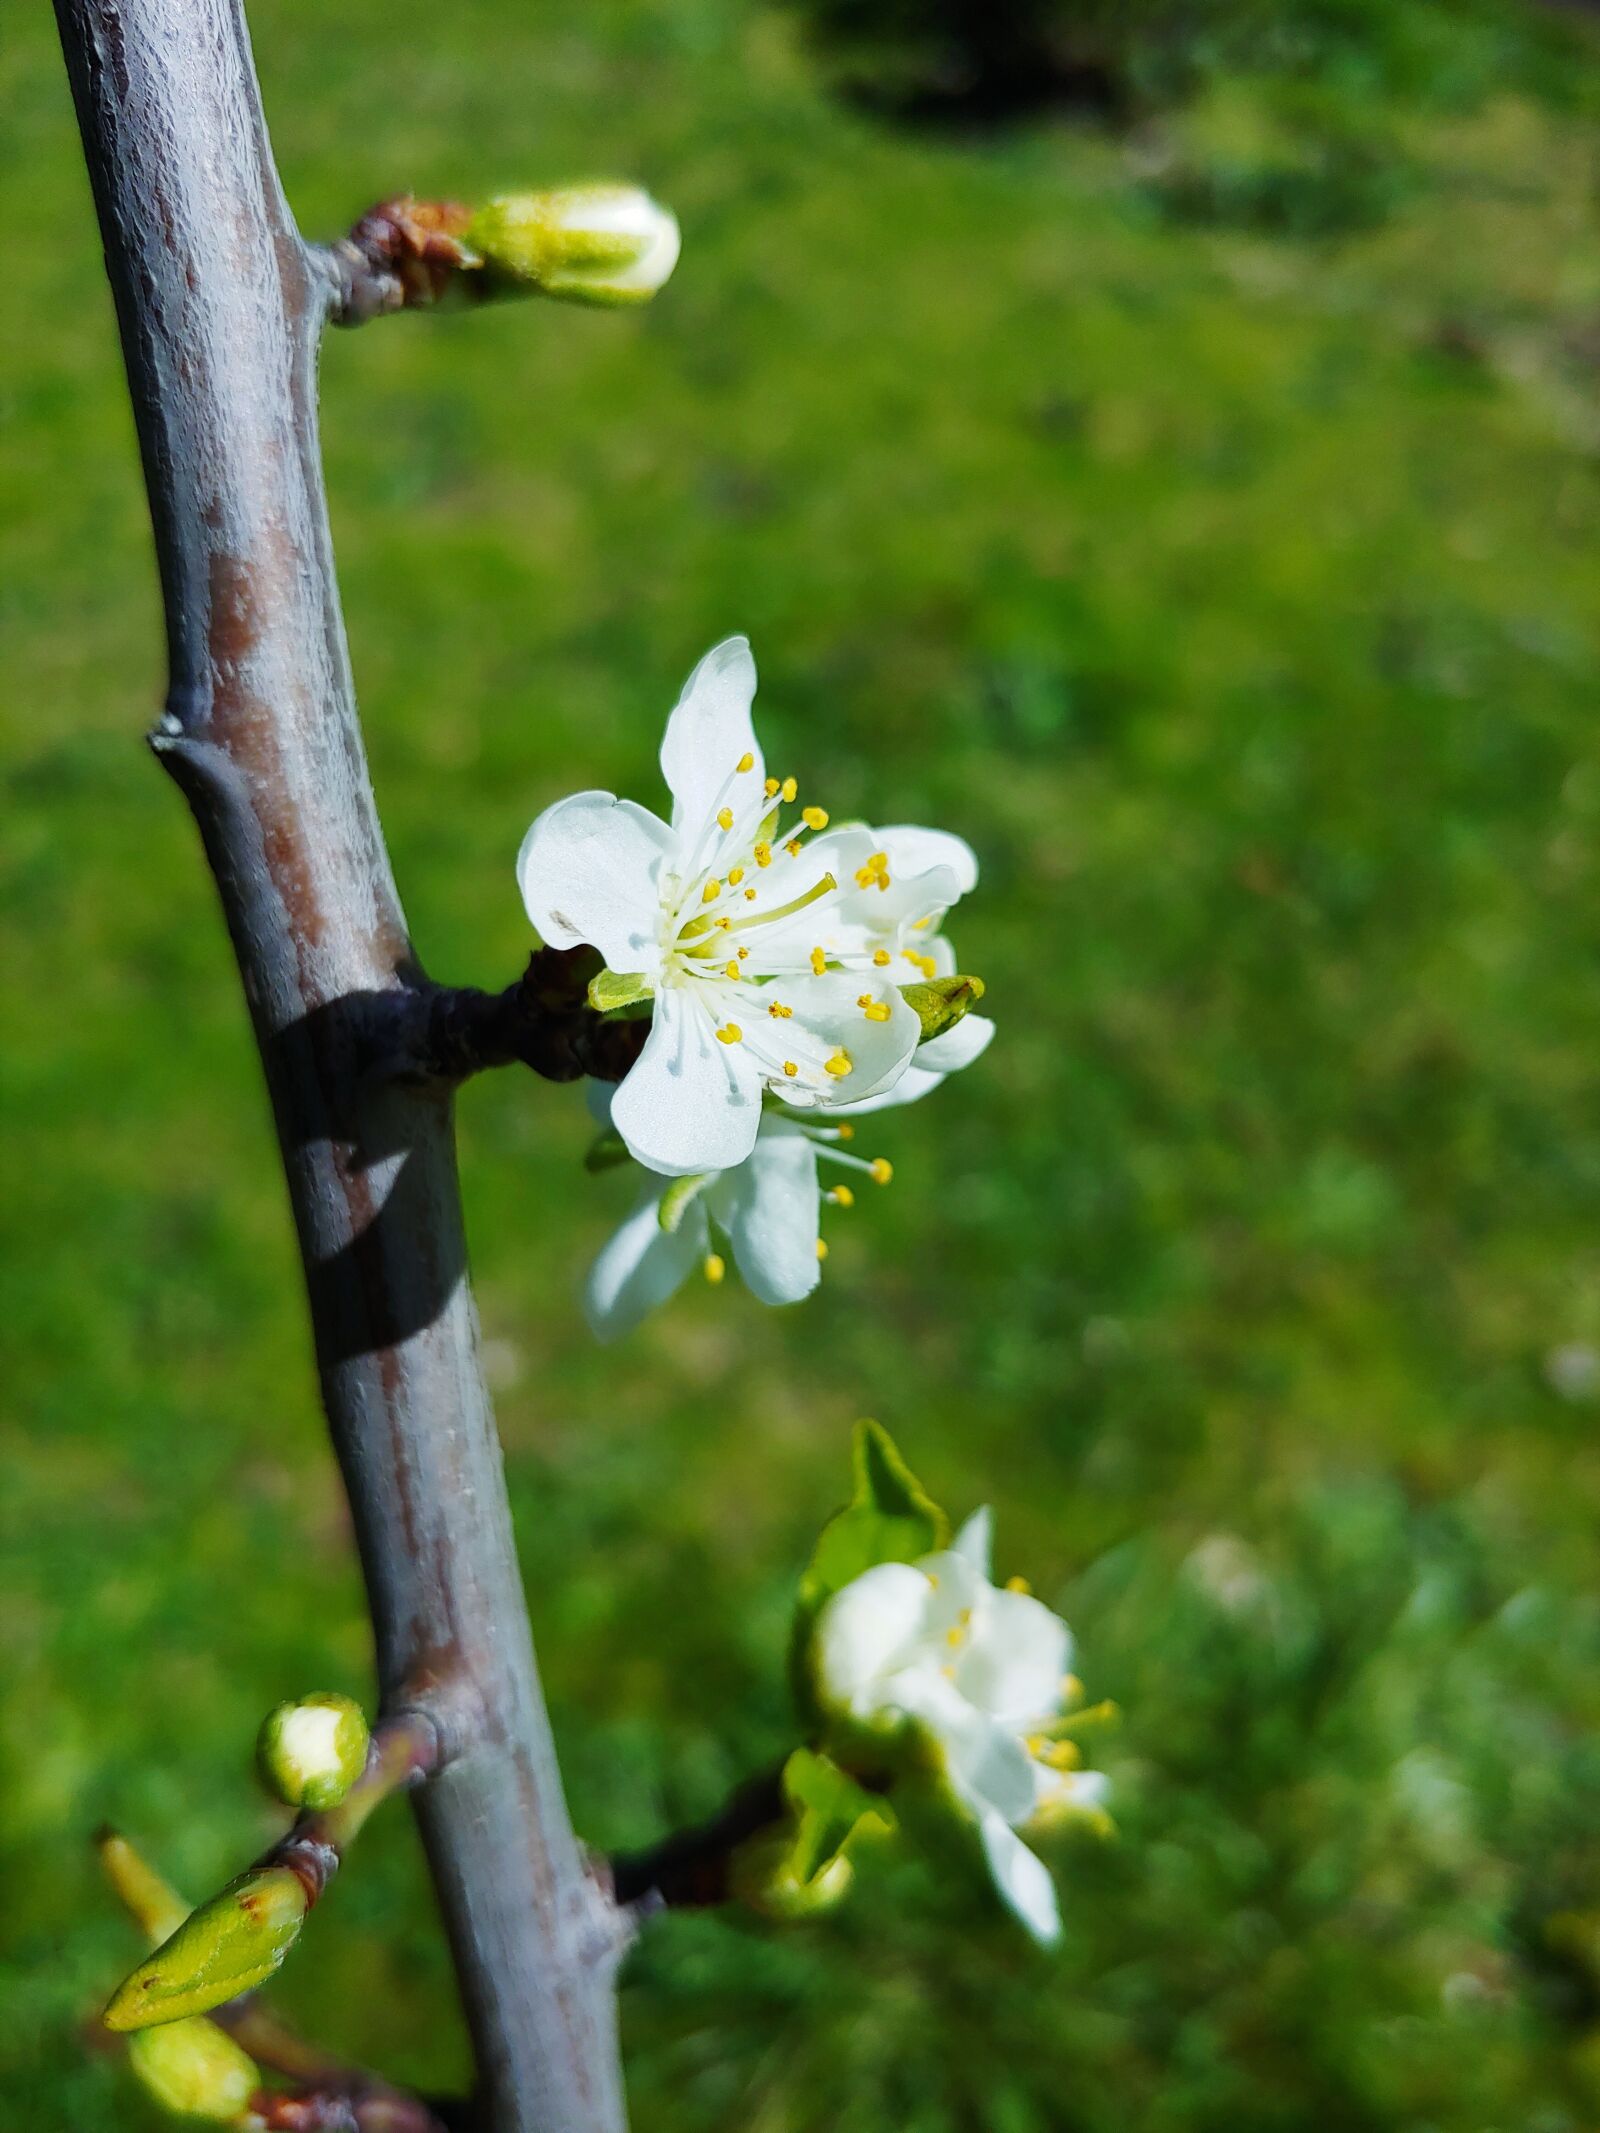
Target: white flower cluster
x,y
982,1672
774,953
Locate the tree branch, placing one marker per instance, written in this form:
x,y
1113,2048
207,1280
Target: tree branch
x,y
220,306
693,1867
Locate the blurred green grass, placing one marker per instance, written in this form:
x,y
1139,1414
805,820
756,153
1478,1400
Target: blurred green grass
x,y
1233,590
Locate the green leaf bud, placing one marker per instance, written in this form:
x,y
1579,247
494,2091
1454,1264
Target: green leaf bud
x,y
231,1944
311,1750
589,244
941,1003
194,2069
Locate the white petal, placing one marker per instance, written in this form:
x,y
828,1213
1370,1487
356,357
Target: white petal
x,y
956,1047
588,871
834,925
958,1587
708,734
893,914
769,1207
974,1540
689,1102
640,1267
1013,1663
865,1629
921,1076
913,851
1022,1880
828,1009
986,1763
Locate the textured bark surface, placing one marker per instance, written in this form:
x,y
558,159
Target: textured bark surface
x,y
221,308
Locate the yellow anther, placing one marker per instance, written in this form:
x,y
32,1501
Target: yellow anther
x,y
842,1196
790,1068
749,896
1063,1755
763,856
715,1267
730,1033
789,788
819,962
822,1247
948,1671
924,963
1071,1688
845,1130
863,999
711,891
1018,1585
792,847
735,876
814,818
932,1577
778,1011
1037,1746
722,925
880,956
882,1170
772,788
731,970
839,1065
875,870
877,1011
744,955
724,818
954,1635
746,762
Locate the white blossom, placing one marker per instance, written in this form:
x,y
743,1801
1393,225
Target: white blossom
x,y
768,1209
773,955
982,1672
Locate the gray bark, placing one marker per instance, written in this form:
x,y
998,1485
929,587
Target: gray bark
x,y
221,308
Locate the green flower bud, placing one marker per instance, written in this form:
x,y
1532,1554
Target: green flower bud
x,y
942,1002
234,1942
591,244
311,1751
194,2069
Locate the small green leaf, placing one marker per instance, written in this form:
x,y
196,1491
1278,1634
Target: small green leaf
x,y
614,989
941,1003
830,1810
157,1909
234,1942
802,1866
889,1519
194,2069
605,1152
676,1200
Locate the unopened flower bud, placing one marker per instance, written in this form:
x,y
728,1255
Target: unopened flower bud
x,y
194,2069
231,1944
311,1750
592,244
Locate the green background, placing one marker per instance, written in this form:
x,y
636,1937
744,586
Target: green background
x,y
1200,517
